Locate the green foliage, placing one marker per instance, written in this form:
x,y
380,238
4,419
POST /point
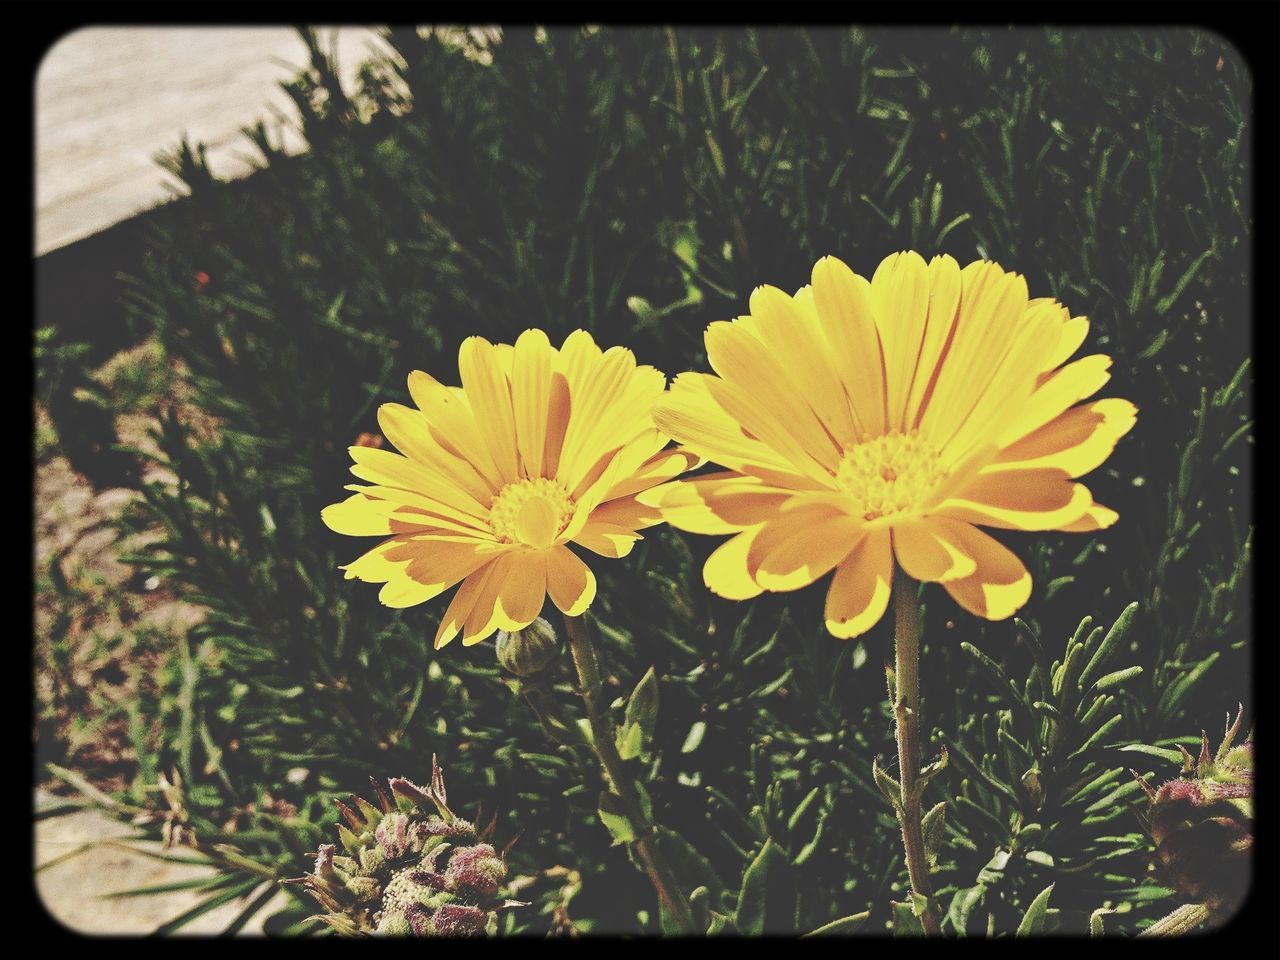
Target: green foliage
x,y
639,183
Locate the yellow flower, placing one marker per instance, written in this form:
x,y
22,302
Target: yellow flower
x,y
864,422
538,448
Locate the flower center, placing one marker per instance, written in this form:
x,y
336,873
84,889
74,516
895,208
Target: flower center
x,y
890,474
531,511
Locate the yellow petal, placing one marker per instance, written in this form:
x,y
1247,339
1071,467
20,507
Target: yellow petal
x,y
659,468
999,585
412,512
607,539
859,592
798,546
360,516
523,589
610,402
992,302
531,397
432,494
1071,336
626,512
1076,441
935,342
462,604
1018,500
489,394
900,299
689,414
1097,517
753,389
453,425
792,334
725,572
717,503
458,481
485,613
929,550
843,301
1060,390
570,582
558,407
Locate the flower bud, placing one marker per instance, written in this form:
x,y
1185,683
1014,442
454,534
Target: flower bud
x,y
414,869
476,869
528,651
1202,825
458,920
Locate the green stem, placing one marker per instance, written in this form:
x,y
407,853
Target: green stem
x,y
619,780
906,711
1183,920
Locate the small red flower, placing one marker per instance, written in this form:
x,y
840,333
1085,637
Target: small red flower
x,y
369,440
202,282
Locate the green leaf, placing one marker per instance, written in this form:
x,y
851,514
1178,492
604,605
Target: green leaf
x,y
933,826
906,923
1116,678
1173,695
1095,922
1163,305
694,738
1033,920
691,868
843,926
629,740
890,787
962,905
1173,756
615,821
642,705
1109,644
759,881
200,909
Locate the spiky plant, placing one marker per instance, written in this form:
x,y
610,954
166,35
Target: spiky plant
x,y
1202,825
412,867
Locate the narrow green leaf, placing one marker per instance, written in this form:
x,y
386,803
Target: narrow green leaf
x,y
200,909
1116,678
1095,922
1111,642
1033,920
753,897
841,927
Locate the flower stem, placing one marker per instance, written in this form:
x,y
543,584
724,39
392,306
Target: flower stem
x,y
906,711
619,779
1183,920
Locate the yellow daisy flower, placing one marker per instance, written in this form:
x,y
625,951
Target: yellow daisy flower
x,y
864,423
537,449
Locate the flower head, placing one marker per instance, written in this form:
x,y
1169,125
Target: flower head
x,y
404,870
865,423
537,449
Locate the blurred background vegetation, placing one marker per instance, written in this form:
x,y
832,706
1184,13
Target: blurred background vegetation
x,y
639,183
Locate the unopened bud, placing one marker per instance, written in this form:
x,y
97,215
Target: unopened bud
x,y
477,869
528,651
458,920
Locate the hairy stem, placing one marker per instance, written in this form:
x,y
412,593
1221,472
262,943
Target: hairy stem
x,y
619,778
906,711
